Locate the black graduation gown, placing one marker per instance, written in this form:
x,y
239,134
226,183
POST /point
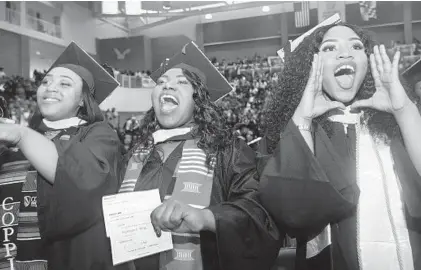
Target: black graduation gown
x,y
246,237
70,210
305,192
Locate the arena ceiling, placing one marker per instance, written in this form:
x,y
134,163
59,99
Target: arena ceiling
x,y
160,12
177,5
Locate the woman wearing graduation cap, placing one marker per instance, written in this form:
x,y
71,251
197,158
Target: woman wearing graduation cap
x,y
74,158
205,176
344,177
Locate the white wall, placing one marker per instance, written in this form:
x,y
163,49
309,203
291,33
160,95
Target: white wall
x,y
186,27
128,100
48,53
78,24
104,30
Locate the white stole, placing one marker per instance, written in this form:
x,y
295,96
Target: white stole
x,y
65,123
162,135
382,235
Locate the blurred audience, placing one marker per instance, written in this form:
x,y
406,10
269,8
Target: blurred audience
x,y
20,95
2,73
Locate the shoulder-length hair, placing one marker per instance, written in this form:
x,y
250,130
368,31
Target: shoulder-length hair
x,y
209,122
288,92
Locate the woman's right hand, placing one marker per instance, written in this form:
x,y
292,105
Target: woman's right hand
x,y
314,102
10,133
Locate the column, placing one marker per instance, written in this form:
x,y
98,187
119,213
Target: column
x,y
25,57
23,14
147,51
407,21
3,11
200,40
284,28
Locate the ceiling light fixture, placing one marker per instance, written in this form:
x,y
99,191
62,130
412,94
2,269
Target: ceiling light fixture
x,y
166,5
208,16
265,8
109,7
133,8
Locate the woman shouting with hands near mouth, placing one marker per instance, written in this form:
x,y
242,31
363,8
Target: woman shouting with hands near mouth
x,y
347,185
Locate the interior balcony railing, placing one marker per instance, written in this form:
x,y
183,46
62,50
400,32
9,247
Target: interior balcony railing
x,y
128,81
43,26
12,16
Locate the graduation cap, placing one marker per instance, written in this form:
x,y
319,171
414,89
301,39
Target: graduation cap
x,y
99,81
292,45
194,60
413,73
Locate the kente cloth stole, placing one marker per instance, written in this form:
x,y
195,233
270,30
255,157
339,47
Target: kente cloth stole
x,y
27,217
193,186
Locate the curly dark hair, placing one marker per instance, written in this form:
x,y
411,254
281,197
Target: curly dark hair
x,y
286,96
209,122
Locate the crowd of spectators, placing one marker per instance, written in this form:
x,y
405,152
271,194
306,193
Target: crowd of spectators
x,y
20,95
132,73
252,80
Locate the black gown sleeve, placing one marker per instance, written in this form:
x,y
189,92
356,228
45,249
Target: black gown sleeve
x,y
410,182
304,192
88,168
246,237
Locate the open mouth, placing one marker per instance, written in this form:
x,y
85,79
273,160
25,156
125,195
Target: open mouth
x,y
51,100
168,103
345,75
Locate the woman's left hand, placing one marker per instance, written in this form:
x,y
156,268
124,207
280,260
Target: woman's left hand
x,y
10,133
390,96
178,217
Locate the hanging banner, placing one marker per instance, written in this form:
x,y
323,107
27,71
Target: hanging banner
x,y
327,9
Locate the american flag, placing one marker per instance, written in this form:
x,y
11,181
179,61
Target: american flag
x,y
302,14
368,10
